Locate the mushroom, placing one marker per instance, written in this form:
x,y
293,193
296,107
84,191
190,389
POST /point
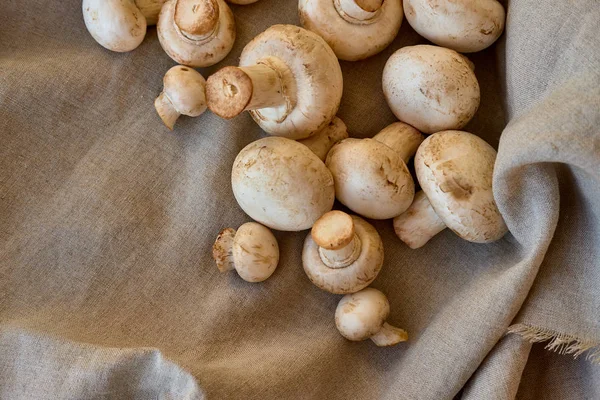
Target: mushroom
x,y
321,142
183,93
431,88
120,25
282,184
242,2
342,253
455,171
355,29
371,177
289,79
462,25
362,315
197,33
252,251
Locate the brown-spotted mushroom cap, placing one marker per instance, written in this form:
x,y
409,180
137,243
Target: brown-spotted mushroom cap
x,y
431,88
321,142
363,315
282,184
252,251
342,254
454,169
355,29
198,33
289,79
462,25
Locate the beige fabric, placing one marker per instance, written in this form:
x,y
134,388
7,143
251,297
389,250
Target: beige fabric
x,y
107,287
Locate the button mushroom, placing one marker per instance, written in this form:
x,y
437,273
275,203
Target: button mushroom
x,y
242,2
321,142
455,171
355,29
362,315
431,88
183,93
252,251
371,177
282,184
289,79
463,25
120,25
342,254
198,33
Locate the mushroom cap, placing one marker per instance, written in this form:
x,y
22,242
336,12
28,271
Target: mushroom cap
x,y
370,178
455,171
321,142
430,88
150,9
282,184
117,25
355,276
353,39
197,39
317,74
242,2
462,25
255,252
361,315
185,89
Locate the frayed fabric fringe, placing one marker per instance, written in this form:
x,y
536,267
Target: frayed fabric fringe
x,y
559,342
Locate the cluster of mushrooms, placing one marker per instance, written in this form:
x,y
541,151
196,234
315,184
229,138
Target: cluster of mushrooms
x,y
290,81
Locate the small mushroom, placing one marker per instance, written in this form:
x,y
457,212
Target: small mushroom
x,y
342,254
282,184
431,88
371,177
455,171
183,93
362,315
355,29
462,25
252,251
242,2
198,33
289,79
321,142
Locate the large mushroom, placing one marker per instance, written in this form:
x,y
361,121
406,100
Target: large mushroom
x,y
454,169
355,29
431,88
289,79
462,25
321,142
371,177
282,184
198,33
342,253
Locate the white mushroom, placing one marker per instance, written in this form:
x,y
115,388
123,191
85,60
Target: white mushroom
x,y
242,2
282,184
321,142
463,25
342,254
455,171
355,29
288,78
371,177
198,33
363,315
431,88
183,93
252,251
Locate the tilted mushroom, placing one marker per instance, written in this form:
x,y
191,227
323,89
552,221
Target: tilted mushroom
x,y
342,253
252,251
455,171
289,79
363,315
463,25
183,93
431,88
371,177
120,25
282,184
321,142
198,33
355,29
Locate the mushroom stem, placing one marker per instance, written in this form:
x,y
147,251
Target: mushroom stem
x,y
150,9
417,225
223,250
389,335
356,11
166,110
342,257
402,138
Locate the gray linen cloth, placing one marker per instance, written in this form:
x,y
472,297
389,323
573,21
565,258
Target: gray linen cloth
x,y
108,289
